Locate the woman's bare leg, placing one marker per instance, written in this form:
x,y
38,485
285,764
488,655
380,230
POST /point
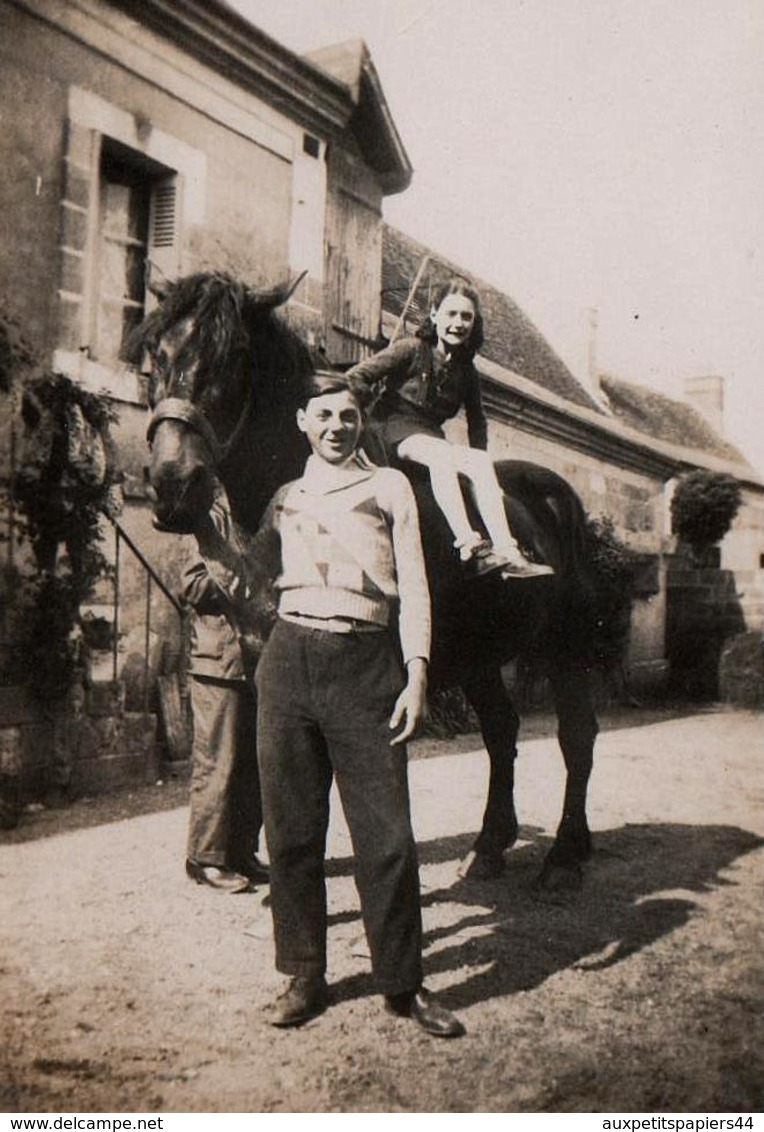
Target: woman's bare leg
x,y
445,463
478,467
437,456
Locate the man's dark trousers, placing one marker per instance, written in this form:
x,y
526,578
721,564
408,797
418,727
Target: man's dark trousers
x,y
324,705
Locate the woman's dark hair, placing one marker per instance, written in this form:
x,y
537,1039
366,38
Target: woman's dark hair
x,y
455,286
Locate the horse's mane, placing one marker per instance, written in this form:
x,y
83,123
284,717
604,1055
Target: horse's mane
x,y
226,318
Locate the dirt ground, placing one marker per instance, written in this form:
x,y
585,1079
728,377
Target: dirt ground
x,y
127,988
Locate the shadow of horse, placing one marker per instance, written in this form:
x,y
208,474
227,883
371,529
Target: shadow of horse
x,y
511,935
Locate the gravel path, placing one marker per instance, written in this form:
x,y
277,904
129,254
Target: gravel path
x,y
126,988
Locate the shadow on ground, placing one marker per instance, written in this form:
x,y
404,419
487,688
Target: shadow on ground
x,y
170,791
514,936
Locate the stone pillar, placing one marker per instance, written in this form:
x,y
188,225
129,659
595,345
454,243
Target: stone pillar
x,y
703,611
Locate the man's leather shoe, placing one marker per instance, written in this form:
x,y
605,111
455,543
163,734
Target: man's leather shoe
x,y
253,869
426,1011
304,998
225,880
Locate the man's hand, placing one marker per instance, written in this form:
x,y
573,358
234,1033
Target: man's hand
x,y
411,706
222,550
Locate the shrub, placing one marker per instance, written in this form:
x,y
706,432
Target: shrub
x,y
703,507
63,481
614,566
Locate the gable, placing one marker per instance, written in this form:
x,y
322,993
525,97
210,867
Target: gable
x,y
371,122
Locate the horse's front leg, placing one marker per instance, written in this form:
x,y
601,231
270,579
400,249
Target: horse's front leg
x,y
577,730
499,724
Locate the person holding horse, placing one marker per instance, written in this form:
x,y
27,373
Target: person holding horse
x,y
225,812
342,543
421,383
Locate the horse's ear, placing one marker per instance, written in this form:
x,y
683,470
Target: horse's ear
x,y
156,281
277,296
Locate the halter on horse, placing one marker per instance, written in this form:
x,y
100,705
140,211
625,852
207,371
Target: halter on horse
x,y
226,376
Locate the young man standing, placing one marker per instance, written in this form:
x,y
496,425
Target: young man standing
x,y
335,701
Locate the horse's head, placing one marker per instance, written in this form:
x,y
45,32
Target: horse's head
x,y
207,341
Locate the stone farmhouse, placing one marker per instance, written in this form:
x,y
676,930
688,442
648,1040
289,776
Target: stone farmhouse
x,y
176,134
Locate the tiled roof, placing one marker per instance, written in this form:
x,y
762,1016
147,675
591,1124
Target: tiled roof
x,y
664,418
511,339
514,343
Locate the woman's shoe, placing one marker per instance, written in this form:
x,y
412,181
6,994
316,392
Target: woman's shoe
x,y
482,560
518,566
526,570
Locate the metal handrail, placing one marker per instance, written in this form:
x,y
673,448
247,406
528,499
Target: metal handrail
x,y
152,577
145,563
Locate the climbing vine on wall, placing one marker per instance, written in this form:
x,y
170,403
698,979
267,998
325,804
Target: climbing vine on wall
x,y
63,481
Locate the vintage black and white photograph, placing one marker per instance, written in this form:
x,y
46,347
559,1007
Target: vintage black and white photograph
x,y
382,557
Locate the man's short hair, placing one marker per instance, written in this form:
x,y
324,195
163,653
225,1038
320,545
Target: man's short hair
x,y
323,382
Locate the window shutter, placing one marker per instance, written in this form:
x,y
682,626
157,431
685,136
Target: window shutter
x,y
163,219
164,228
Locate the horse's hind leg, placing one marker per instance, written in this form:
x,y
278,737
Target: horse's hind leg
x,y
577,730
499,724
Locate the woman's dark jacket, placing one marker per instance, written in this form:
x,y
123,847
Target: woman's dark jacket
x,y
418,390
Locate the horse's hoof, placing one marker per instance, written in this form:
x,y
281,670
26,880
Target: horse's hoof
x,y
571,846
555,877
481,866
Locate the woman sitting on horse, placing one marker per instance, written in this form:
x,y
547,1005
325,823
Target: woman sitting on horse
x,y
422,382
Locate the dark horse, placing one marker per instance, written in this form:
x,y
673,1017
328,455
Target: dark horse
x,y
226,375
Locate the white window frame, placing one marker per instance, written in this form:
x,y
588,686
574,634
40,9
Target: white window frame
x,y
186,172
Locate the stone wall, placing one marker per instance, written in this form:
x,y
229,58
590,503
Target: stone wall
x,y
47,188
703,612
711,606
742,551
84,745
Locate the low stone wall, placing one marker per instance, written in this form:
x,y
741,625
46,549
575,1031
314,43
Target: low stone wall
x,y
703,611
741,671
87,744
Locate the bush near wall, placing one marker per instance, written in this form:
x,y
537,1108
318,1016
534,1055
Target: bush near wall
x,y
703,507
703,609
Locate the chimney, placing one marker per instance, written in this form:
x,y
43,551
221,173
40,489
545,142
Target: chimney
x,y
706,396
593,367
